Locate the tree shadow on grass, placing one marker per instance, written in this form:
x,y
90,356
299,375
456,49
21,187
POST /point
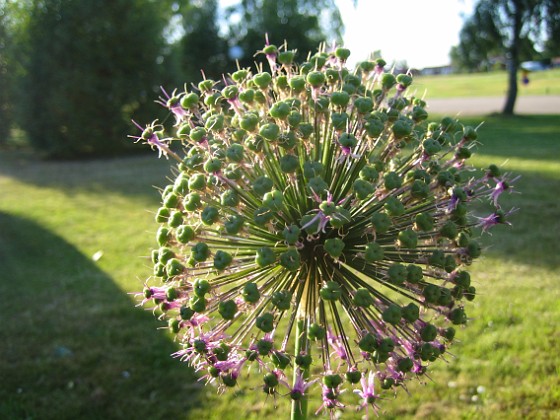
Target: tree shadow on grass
x,y
73,344
129,176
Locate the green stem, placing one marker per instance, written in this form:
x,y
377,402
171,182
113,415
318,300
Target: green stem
x,y
299,407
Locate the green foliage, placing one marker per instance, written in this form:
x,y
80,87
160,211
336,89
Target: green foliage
x,y
85,64
303,24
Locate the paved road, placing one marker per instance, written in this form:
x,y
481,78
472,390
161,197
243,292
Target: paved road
x,y
488,105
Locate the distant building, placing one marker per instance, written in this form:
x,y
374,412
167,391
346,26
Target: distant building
x,y
430,71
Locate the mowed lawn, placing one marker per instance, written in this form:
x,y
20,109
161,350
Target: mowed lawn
x,y
75,346
485,84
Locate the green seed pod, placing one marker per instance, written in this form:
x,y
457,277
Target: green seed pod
x,y
340,99
397,273
227,309
312,169
388,81
264,346
392,180
445,297
297,83
247,96
386,345
286,57
318,186
289,163
200,252
474,249
407,239
222,260
379,357
414,274
449,230
190,100
265,256
171,200
469,133
431,147
251,293
340,218
405,364
394,207
229,198
294,118
233,224
419,189
392,314
316,332
282,299
215,123
197,304
186,313
457,316
303,360
368,343
209,215
280,360
334,247
262,185
162,215
373,252
262,215
353,376
362,188
423,222
174,325
331,291
369,173
262,80
411,312
291,234
280,110
235,153
449,334
306,129
163,235
176,219
290,260
192,201
213,165
363,105
381,222
249,122
363,298
463,153
270,131
450,264
265,322
159,270
387,383
315,79
374,127
428,333
273,200
339,120
431,293
348,140
462,279
197,182
437,259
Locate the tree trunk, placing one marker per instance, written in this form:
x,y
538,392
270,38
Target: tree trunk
x,y
514,58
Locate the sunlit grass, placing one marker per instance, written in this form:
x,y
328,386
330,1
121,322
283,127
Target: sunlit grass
x,y
75,346
485,84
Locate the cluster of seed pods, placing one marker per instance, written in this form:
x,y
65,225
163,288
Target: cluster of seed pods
x,y
318,227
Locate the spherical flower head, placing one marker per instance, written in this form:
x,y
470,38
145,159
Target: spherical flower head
x,y
316,206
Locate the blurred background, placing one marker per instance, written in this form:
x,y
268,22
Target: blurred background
x,y
77,198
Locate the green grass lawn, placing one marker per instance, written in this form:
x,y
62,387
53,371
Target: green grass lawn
x,y
74,345
485,84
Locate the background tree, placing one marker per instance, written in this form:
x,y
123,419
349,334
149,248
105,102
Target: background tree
x,y
201,47
512,28
88,67
302,23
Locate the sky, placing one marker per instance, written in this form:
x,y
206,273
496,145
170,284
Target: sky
x,y
421,32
